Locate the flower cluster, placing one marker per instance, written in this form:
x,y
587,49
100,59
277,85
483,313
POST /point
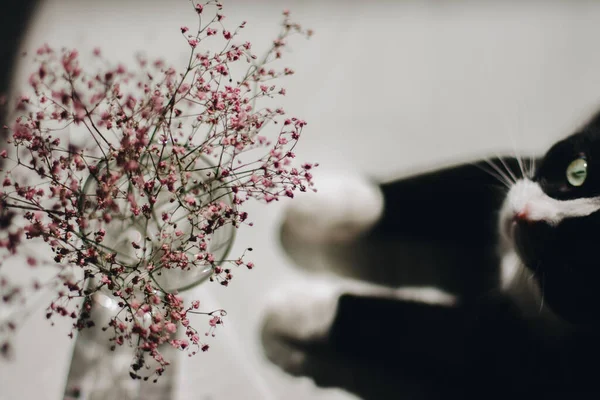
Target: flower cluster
x,y
134,179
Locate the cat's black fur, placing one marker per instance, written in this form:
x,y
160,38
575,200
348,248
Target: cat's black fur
x,y
442,229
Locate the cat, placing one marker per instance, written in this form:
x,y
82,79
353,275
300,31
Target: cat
x,y
447,284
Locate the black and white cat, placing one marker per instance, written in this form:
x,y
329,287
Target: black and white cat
x,y
447,284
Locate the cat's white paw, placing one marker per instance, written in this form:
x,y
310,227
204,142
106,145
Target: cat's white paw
x,y
344,207
296,318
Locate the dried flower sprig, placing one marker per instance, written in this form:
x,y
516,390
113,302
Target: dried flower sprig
x,y
146,204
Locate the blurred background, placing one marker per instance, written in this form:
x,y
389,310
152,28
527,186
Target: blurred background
x,y
389,88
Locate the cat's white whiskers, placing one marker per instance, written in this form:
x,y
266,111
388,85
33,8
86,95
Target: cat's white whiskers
x,y
532,167
500,172
495,175
505,178
517,155
519,159
527,167
542,291
507,168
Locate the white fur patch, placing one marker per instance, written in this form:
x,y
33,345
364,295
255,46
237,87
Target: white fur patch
x,y
527,201
343,208
526,198
428,295
306,311
520,285
510,268
303,311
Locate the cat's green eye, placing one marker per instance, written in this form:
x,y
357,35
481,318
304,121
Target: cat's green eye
x,y
577,172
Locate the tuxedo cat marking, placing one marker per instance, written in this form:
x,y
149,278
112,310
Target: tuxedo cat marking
x,y
554,225
453,281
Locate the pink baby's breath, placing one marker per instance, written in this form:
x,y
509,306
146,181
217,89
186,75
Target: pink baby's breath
x,y
166,151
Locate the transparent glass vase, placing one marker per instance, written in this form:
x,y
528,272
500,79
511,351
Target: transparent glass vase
x,y
97,372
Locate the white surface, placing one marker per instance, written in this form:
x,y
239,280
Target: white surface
x,y
387,88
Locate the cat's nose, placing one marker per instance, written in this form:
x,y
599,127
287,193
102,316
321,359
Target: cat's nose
x,y
522,215
510,224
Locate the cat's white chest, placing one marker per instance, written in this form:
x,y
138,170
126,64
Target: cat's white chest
x,y
519,283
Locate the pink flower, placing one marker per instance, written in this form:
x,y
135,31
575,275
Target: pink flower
x,y
190,200
141,167
171,327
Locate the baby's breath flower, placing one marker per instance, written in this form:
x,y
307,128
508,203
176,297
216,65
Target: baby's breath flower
x,y
162,169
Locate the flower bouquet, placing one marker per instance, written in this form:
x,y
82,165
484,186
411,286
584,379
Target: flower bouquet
x,y
134,181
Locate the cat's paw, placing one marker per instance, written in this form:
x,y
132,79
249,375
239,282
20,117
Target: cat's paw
x,y
297,320
344,207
